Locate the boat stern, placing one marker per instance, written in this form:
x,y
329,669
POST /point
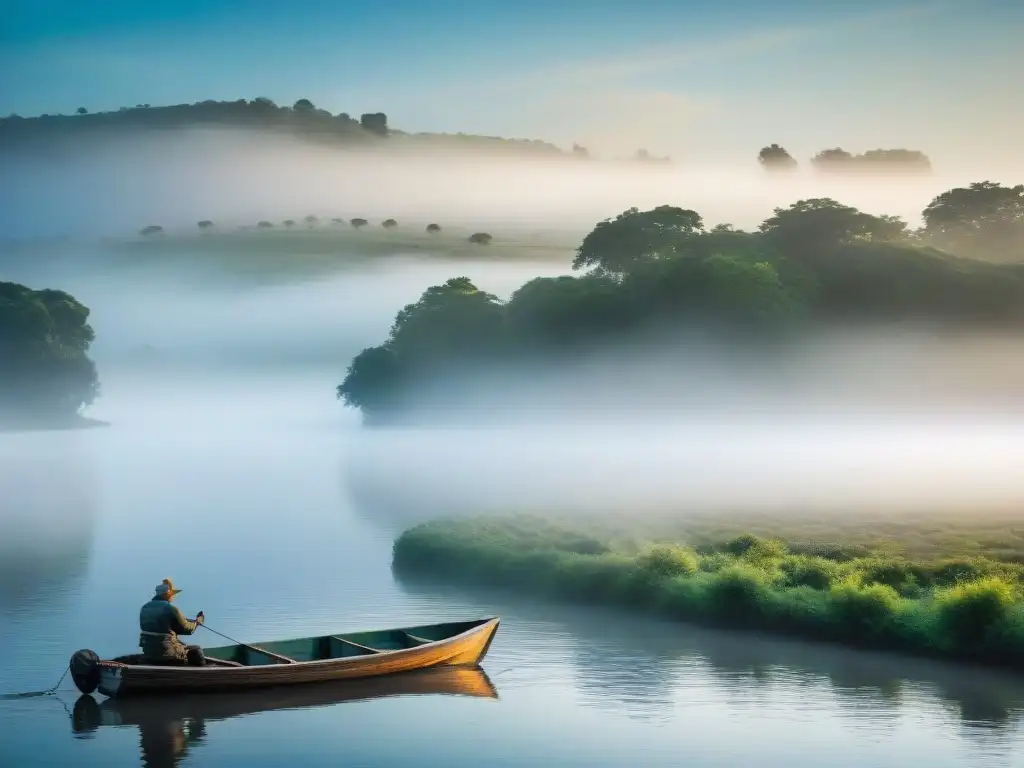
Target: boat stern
x,y
111,678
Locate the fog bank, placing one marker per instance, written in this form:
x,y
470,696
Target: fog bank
x,y
238,178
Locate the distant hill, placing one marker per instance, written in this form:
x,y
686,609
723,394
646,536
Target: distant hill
x,y
303,119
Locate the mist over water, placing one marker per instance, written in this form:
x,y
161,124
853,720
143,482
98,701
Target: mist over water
x,y
890,416
235,178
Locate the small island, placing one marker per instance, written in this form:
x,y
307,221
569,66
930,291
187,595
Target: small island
x,y
47,376
660,273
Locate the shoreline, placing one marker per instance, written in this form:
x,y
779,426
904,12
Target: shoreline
x,y
958,608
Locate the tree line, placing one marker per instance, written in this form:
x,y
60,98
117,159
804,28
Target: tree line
x,y
309,121
47,375
776,158
312,222
816,261
303,118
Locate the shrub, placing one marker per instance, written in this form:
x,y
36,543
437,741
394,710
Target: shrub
x,y
813,572
480,238
664,562
970,610
863,614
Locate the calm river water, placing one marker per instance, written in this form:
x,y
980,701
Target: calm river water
x,y
238,494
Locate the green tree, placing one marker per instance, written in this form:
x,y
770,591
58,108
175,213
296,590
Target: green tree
x,y
304,106
553,311
821,223
983,219
480,238
832,160
82,111
450,325
616,245
264,225
204,224
151,231
776,158
389,224
44,342
358,223
289,223
450,321
433,229
311,221
898,160
371,379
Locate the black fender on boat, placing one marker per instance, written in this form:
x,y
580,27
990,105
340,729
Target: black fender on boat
x,y
85,670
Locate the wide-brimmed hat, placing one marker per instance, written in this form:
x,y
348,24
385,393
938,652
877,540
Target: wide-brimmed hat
x,y
166,589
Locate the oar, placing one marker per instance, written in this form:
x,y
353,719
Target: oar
x,y
279,657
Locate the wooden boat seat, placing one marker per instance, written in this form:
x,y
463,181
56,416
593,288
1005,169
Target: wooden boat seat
x,y
364,648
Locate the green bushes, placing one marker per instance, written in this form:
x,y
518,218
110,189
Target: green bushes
x,y
959,608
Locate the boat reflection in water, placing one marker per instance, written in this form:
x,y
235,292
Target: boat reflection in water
x,y
170,724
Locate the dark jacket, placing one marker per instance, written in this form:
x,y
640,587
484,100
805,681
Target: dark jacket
x,y
165,621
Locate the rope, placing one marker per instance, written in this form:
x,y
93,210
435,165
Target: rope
x,y
47,692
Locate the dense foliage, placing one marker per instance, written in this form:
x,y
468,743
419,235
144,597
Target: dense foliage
x,y
965,608
662,270
47,375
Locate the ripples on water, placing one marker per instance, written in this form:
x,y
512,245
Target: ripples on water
x,y
256,525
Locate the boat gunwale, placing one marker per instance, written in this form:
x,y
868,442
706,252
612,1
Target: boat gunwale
x,y
342,661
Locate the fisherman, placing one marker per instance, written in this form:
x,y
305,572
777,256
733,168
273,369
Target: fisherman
x,y
160,623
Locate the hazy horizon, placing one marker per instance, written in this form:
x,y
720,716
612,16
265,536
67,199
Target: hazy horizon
x,y
683,79
174,179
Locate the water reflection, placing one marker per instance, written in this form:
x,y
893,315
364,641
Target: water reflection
x,y
50,501
647,668
171,726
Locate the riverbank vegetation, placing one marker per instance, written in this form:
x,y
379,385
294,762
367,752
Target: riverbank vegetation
x,y
46,376
943,603
660,272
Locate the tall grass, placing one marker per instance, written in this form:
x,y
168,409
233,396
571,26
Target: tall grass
x,y
962,608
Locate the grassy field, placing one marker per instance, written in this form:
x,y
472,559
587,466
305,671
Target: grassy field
x,y
261,248
872,584
280,255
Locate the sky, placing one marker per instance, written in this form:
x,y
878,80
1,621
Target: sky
x,y
690,79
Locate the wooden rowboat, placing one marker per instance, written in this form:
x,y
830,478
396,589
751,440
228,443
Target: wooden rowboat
x,y
289,662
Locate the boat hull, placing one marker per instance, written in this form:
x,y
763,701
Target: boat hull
x,y
117,679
